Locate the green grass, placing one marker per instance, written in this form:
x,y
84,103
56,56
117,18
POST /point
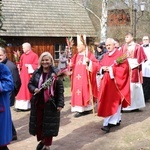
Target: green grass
x,y
67,87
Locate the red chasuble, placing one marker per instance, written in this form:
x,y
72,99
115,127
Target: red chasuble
x,y
138,53
32,59
116,91
80,80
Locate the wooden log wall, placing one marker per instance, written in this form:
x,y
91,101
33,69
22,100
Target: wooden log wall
x,y
39,45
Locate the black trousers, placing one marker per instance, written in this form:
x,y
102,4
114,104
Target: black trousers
x,y
13,130
146,88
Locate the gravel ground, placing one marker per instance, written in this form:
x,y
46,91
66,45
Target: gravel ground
x,y
84,133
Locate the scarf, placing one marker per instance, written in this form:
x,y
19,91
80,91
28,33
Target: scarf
x,y
49,91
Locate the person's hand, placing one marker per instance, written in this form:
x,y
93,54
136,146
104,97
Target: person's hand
x,y
87,59
105,68
59,108
26,65
37,90
70,64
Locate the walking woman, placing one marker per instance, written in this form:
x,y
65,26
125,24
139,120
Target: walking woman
x,y
46,102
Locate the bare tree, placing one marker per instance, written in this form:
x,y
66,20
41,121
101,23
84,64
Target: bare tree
x,y
128,7
104,17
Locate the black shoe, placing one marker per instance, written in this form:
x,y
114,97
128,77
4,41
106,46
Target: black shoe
x,y
21,110
111,125
114,125
118,123
40,146
17,110
14,137
106,129
78,114
4,148
135,110
87,112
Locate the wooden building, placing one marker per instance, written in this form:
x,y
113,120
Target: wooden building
x,y
44,24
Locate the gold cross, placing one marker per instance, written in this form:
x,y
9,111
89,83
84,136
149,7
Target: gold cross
x,y
78,92
78,76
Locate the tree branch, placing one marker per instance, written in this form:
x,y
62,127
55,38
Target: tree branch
x,y
87,9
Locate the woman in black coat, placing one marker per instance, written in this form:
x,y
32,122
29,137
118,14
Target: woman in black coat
x,y
46,102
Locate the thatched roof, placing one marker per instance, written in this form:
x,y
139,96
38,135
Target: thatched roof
x,y
52,18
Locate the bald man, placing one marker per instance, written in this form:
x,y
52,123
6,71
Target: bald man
x,y
28,63
114,88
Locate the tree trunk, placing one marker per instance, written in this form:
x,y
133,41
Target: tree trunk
x,y
103,23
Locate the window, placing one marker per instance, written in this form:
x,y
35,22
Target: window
x,y
57,49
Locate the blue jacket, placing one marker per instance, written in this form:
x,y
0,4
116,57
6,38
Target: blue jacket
x,y
6,86
16,78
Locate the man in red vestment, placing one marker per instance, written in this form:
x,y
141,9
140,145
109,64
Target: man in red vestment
x,y
114,91
81,87
28,63
136,56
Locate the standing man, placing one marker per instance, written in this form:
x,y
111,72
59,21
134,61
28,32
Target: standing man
x,y
80,86
136,56
114,91
6,86
28,63
16,79
146,68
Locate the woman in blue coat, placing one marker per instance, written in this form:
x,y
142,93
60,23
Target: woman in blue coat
x,y
6,86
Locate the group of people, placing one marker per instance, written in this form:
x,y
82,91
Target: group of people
x,y
38,88
117,72
114,90
110,80
19,95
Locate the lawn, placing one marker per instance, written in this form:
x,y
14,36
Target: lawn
x,y
67,87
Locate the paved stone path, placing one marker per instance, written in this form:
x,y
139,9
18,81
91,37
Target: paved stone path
x,y
84,133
